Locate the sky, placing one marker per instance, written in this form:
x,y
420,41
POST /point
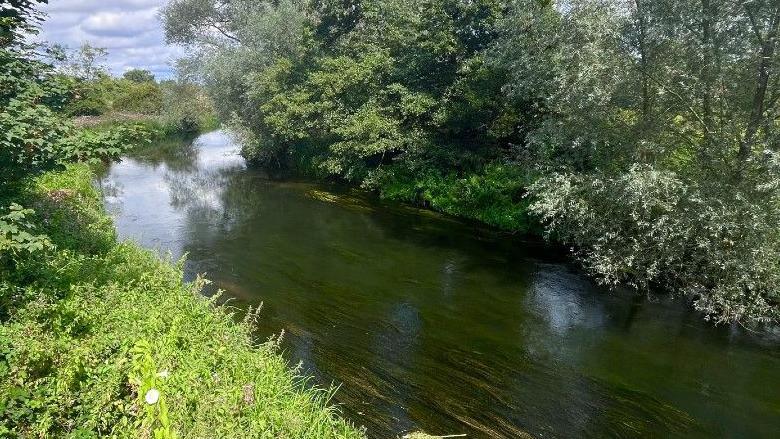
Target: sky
x,y
129,29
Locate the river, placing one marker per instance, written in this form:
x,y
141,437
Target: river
x,y
430,323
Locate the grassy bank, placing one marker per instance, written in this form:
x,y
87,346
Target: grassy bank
x,y
93,330
160,126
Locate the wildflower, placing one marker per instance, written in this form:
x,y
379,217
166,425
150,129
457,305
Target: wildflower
x,y
152,396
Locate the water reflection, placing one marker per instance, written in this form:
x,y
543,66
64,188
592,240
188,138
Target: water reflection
x,y
429,324
565,300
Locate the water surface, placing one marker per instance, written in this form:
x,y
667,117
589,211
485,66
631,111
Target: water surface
x,y
429,323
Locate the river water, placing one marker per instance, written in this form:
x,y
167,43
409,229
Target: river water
x,y
429,323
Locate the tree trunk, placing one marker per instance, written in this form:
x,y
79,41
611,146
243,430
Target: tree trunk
x,y
767,54
706,73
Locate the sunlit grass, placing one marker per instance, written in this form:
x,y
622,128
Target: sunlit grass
x,y
76,314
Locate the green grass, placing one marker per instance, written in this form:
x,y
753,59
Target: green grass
x,y
90,327
162,125
495,196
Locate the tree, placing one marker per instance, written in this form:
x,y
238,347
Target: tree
x,y
85,63
657,149
138,75
17,19
468,105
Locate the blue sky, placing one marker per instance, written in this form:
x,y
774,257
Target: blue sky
x,y
129,29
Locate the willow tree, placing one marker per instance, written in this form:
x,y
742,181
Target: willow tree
x,y
659,143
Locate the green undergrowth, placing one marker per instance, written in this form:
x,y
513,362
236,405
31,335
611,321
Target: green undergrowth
x,y
495,196
161,127
92,330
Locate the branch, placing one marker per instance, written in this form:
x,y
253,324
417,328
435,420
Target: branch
x,y
214,25
754,25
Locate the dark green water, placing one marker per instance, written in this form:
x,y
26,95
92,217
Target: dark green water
x,y
427,323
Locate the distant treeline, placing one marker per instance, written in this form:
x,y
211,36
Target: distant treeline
x,y
179,106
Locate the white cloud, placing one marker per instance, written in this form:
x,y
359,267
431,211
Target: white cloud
x,y
129,29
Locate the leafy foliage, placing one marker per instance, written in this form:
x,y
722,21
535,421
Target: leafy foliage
x,y
390,90
18,18
16,233
88,332
187,108
33,140
660,146
138,75
36,135
670,107
719,247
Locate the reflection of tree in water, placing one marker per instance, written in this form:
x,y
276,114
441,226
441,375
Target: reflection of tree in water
x,y
565,300
213,199
179,154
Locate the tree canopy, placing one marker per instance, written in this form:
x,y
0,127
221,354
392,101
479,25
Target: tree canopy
x,y
138,75
525,111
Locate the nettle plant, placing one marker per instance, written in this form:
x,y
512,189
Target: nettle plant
x,y
17,233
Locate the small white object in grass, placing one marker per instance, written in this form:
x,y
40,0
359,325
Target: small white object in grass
x,y
152,396
163,374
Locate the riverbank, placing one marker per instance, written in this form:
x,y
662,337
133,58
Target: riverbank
x,y
495,195
160,126
103,338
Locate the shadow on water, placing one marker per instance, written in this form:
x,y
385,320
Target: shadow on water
x,y
429,324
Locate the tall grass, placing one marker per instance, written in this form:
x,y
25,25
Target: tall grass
x,y
92,326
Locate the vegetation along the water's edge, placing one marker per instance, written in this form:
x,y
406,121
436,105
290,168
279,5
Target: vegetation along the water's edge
x,y
642,134
100,338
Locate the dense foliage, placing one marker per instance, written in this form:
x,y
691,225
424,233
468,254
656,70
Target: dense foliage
x,y
99,338
37,134
643,133
393,95
176,106
660,158
89,327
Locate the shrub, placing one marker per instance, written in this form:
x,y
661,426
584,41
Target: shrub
x,y
494,196
718,245
137,97
17,234
32,141
187,109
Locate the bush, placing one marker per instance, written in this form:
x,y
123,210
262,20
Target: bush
x,y
494,196
17,235
718,245
33,139
107,94
187,109
137,97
